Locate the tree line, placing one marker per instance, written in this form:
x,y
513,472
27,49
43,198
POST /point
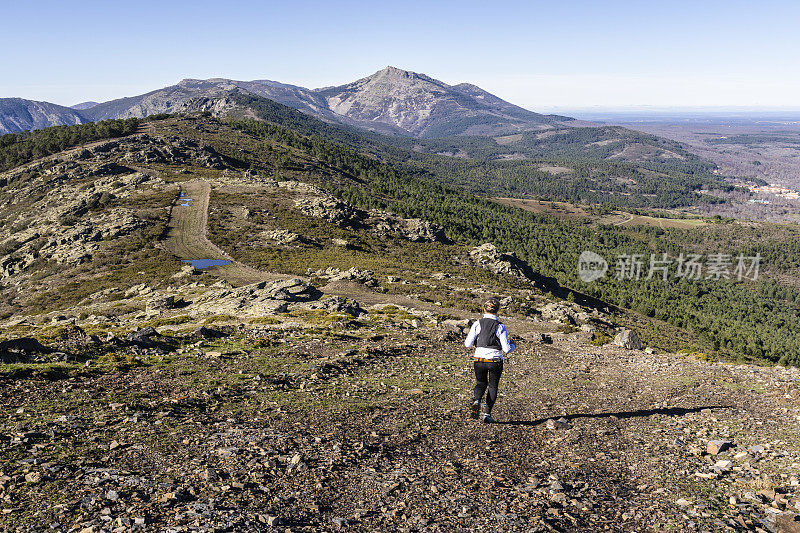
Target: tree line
x,y
19,148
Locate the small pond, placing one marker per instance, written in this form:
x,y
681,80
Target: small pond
x,y
185,202
205,263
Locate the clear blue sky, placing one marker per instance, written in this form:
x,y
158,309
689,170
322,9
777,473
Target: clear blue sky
x,y
536,54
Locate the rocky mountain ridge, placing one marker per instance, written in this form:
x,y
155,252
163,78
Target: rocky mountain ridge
x,y
84,105
391,101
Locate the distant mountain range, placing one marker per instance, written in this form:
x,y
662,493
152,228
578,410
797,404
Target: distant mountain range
x,y
391,101
17,114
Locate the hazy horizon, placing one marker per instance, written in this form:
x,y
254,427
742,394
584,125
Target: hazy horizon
x,y
535,54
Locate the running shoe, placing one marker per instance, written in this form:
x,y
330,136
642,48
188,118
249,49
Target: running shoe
x,y
475,410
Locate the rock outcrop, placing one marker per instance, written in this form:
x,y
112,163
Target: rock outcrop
x,y
331,209
161,303
560,313
628,339
380,223
367,277
282,236
146,337
66,224
487,256
173,150
336,304
255,300
21,349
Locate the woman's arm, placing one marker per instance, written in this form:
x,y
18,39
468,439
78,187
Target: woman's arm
x,y
473,334
502,336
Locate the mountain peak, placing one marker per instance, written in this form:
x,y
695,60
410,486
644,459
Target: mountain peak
x,y
426,107
395,71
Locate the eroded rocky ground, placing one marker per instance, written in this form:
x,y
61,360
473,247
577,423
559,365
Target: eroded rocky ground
x,y
362,424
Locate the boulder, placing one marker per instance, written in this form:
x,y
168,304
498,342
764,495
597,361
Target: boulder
x,y
561,423
161,303
144,337
718,446
381,223
187,271
337,304
14,350
487,256
559,313
450,334
367,277
207,333
460,325
282,236
328,208
413,229
628,339
258,299
418,230
293,290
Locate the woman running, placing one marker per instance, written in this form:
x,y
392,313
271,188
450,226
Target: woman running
x,y
490,338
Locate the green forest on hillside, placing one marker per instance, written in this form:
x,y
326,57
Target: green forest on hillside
x,y
755,138
19,148
592,179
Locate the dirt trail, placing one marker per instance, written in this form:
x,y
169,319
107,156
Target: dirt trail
x,y
623,222
188,239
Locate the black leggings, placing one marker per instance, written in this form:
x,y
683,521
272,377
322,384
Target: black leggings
x,y
487,374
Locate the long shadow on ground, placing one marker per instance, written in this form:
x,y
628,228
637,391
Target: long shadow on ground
x,y
668,411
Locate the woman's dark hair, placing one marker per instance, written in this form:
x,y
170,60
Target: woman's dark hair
x,y
492,305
